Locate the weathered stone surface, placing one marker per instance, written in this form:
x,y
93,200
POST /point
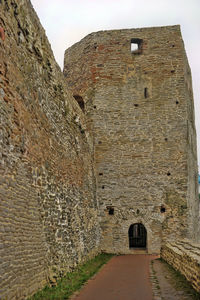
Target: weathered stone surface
x,y
48,211
139,107
184,256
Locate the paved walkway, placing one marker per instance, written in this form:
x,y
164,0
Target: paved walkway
x,y
124,277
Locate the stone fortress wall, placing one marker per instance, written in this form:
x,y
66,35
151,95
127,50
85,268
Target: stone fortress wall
x,y
48,208
139,107
128,146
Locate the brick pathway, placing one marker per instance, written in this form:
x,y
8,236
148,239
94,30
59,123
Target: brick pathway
x,y
124,277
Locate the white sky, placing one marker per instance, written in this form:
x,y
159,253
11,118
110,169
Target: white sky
x,y
68,21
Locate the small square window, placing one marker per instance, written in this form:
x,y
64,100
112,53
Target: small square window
x,y
162,209
136,46
110,210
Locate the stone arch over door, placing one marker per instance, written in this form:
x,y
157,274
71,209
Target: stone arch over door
x,y
137,235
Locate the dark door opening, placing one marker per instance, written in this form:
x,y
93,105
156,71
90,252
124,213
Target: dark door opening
x,y
137,236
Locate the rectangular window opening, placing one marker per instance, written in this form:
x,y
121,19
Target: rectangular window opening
x,y
136,46
110,210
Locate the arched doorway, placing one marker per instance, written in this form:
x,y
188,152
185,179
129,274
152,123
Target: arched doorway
x,y
137,236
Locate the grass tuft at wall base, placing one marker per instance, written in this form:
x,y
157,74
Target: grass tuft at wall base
x,y
73,281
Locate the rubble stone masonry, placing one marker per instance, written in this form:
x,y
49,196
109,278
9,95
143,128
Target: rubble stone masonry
x,y
48,209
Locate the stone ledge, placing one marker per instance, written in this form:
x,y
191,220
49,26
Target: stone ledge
x,y
184,256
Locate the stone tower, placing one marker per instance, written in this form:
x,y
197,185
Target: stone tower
x,y
135,89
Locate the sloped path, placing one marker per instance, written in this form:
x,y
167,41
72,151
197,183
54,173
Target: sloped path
x,y
124,277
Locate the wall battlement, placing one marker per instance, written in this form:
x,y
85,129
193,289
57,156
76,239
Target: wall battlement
x,y
87,155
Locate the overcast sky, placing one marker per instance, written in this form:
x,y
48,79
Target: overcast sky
x,y
68,21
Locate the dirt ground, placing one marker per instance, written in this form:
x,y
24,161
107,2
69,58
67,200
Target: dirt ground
x,y
168,284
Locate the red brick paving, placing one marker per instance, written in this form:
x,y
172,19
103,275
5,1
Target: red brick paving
x,y
124,277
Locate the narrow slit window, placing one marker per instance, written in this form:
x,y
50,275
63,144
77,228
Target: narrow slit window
x,y
136,46
145,92
80,101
